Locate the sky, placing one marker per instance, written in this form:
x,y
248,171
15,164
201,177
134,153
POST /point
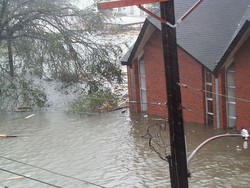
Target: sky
x,y
84,3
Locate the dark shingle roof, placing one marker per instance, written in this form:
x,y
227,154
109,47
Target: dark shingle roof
x,y
232,45
125,58
208,31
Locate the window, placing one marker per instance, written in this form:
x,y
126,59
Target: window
x,y
209,97
142,81
231,103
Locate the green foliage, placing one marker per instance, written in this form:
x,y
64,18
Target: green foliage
x,y
31,94
98,101
101,66
67,78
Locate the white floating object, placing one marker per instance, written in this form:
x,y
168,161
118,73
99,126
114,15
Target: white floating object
x,y
27,117
16,177
244,134
245,145
238,148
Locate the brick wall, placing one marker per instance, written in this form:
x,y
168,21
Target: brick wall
x,y
191,74
242,77
155,76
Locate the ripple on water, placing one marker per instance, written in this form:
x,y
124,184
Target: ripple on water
x,y
108,150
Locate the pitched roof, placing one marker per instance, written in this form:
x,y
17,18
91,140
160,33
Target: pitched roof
x,y
208,31
232,45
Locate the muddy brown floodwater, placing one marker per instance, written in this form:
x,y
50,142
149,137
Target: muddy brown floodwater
x,y
109,150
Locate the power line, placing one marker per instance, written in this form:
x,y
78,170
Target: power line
x,y
164,103
52,172
161,104
182,85
199,114
40,181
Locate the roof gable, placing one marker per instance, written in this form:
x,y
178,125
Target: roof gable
x,y
143,37
208,31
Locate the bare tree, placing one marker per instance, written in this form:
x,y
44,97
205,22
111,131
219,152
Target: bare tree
x,y
58,36
58,40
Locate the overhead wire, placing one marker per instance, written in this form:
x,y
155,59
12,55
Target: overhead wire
x,y
185,86
182,85
188,109
185,108
163,104
159,104
50,171
27,177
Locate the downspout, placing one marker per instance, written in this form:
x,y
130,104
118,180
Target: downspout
x,y
217,101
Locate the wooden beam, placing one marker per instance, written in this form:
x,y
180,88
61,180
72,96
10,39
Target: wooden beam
x,y
124,3
152,14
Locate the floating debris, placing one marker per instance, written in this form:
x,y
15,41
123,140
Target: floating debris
x,y
7,136
16,177
27,117
23,109
238,148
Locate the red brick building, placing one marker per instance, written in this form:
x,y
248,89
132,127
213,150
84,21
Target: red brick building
x,y
214,65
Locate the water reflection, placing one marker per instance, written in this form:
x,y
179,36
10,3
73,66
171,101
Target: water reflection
x,y
109,150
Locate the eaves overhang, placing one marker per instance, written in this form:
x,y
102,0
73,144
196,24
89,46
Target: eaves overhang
x,y
245,30
132,53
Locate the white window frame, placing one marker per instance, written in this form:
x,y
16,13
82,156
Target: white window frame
x,y
231,105
143,90
208,83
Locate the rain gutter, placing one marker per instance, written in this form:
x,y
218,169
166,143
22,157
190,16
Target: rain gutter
x,y
217,102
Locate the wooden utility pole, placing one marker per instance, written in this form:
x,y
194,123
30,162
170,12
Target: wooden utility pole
x,y
178,158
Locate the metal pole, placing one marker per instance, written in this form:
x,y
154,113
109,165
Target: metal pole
x,y
177,159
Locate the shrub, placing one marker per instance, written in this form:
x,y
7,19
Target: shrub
x,y
98,101
16,92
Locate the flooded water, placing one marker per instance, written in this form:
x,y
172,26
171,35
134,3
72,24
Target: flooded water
x,y
108,150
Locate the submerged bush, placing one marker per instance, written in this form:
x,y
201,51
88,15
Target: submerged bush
x,y
98,101
18,92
